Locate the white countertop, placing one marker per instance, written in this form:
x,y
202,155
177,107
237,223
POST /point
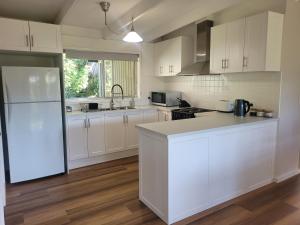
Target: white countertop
x,y
144,107
208,122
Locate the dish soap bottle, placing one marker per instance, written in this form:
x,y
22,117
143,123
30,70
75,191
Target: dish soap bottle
x,y
132,103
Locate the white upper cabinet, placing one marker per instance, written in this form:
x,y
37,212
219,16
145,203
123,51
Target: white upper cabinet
x,y
14,35
235,39
95,137
77,136
263,42
218,48
170,56
19,35
248,44
45,37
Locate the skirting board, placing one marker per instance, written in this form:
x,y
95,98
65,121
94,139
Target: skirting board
x,y
103,158
286,176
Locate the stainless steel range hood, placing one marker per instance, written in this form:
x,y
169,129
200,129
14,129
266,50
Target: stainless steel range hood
x,y
202,64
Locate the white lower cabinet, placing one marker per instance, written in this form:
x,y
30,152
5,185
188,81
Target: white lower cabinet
x,y
132,119
96,135
114,132
150,116
77,137
93,135
164,115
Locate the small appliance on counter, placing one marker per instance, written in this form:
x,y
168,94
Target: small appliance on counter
x,y
69,108
187,113
225,106
261,113
93,106
183,103
165,98
241,107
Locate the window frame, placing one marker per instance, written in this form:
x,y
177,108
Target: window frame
x,y
101,80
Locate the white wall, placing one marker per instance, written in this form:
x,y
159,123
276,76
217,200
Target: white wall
x,y
287,161
262,88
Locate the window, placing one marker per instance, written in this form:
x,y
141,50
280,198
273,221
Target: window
x,y
95,78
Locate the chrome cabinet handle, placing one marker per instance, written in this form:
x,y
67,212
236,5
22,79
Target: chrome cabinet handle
x,y
89,123
245,61
27,40
123,118
85,123
222,63
126,118
226,63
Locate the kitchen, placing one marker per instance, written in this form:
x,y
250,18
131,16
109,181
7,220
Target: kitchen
x,y
104,122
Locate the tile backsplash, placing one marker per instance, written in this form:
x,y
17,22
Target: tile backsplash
x,y
260,88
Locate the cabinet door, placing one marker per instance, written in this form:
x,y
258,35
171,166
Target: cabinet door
x,y
164,116
114,132
235,46
150,116
174,51
96,137
77,138
14,35
255,42
218,48
45,37
162,61
133,118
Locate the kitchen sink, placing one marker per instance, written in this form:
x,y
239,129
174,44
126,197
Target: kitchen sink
x,y
112,109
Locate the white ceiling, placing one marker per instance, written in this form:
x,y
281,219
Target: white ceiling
x,y
39,10
88,14
153,18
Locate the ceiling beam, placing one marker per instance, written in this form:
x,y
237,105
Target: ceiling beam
x,y
195,13
120,25
64,10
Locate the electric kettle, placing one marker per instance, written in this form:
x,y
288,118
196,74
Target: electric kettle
x,y
241,107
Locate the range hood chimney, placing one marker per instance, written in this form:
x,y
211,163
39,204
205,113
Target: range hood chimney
x,y
202,57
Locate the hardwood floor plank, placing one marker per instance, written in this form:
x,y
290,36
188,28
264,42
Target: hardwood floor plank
x,y
107,194
229,215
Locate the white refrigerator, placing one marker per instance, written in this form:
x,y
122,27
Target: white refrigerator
x,y
34,129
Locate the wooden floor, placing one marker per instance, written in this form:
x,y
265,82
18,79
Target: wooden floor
x,y
108,194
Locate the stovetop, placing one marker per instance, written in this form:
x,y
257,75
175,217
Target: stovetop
x,y
187,113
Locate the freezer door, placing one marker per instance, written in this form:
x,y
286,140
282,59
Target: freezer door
x,y
35,140
30,84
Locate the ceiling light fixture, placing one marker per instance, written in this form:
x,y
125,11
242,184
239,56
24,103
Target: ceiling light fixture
x,y
132,36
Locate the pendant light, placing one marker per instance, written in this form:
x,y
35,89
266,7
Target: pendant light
x,y
132,36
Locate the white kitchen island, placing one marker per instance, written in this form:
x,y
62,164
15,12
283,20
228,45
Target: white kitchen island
x,y
188,166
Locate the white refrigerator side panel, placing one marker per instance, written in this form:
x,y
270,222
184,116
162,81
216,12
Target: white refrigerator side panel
x,y
30,84
35,140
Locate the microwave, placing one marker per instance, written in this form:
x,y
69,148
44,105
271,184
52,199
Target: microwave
x,y
165,98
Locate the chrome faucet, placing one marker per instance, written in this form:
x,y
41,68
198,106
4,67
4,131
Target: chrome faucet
x,y
113,93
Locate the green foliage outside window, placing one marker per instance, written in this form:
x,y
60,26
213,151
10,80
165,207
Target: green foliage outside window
x,y
81,78
87,78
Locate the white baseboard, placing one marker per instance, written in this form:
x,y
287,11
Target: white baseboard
x,y
103,158
286,176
